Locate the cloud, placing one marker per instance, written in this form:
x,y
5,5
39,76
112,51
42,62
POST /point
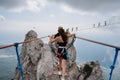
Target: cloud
x,y
77,6
21,5
52,15
69,9
106,71
7,56
92,5
110,53
2,18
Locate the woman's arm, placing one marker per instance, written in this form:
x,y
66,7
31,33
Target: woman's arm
x,y
52,39
71,35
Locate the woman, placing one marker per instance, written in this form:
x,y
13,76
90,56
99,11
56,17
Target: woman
x,y
61,40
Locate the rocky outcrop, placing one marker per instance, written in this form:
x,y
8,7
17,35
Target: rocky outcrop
x,y
37,59
90,71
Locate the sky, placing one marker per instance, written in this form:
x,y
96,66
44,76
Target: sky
x,y
17,17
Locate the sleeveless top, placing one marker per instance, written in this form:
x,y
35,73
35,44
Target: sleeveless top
x,y
62,47
62,44
62,52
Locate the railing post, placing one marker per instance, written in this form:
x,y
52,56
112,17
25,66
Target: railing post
x,y
113,65
18,58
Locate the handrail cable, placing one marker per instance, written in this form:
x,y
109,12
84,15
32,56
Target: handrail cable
x,y
17,52
117,48
27,41
115,56
113,46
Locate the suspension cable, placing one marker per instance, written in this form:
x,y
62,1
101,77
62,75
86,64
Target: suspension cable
x,y
27,41
113,46
17,52
117,48
115,57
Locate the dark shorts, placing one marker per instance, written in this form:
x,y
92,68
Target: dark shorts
x,y
62,54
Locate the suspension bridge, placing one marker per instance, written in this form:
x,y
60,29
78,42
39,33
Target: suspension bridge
x,y
117,48
99,25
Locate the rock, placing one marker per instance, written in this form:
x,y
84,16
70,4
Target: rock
x,y
90,71
30,56
37,59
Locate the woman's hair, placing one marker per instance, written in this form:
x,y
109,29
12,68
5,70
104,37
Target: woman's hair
x,y
63,34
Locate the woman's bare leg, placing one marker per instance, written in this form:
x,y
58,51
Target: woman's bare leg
x,y
64,68
60,65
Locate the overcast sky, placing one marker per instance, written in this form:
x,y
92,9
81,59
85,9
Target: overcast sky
x,y
44,16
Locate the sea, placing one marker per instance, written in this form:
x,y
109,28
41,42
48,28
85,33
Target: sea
x,y
86,51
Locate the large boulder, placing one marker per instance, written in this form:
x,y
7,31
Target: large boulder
x,y
38,58
90,71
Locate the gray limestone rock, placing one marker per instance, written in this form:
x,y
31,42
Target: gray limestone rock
x,y
37,59
90,71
